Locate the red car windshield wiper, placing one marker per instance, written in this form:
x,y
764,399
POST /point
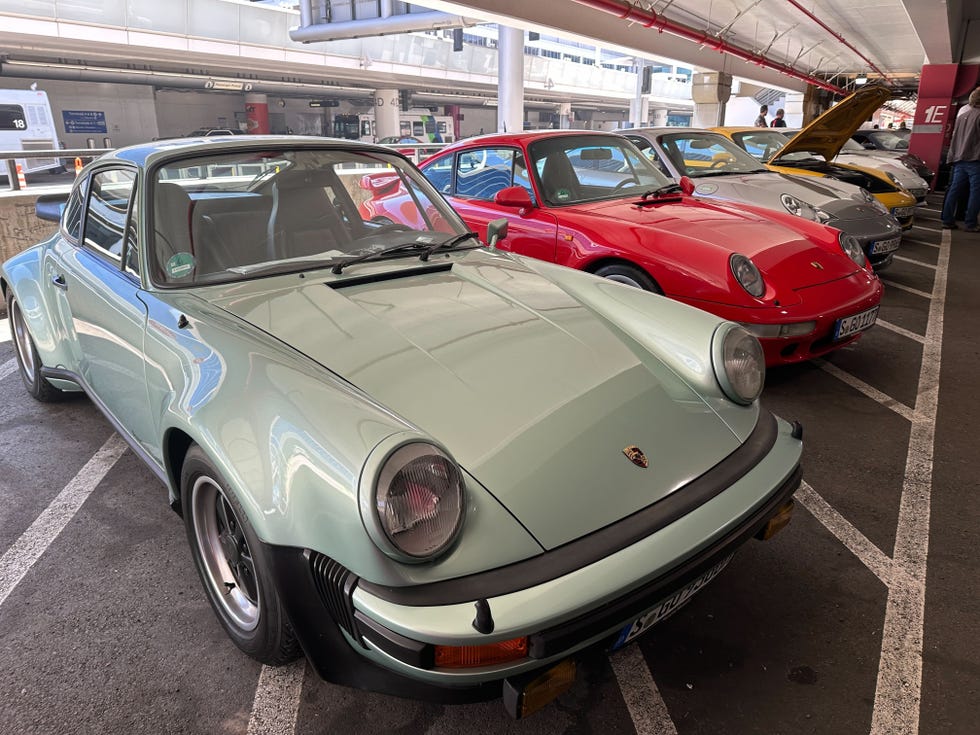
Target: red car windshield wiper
x,y
667,190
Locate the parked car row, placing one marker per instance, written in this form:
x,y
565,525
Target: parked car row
x,y
390,444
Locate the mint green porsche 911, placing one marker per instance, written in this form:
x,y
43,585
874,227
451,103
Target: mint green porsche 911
x,y
436,469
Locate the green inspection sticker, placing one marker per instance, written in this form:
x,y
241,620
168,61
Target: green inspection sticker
x,y
562,194
180,265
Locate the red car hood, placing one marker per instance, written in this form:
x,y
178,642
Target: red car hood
x,y
785,256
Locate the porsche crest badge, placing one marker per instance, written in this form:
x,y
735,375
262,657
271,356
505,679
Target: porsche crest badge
x,y
635,455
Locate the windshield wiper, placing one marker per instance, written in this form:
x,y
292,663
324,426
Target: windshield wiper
x,y
664,190
406,247
451,243
246,270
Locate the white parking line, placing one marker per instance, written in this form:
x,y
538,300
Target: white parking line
x,y
5,330
867,553
8,368
899,690
909,289
277,698
917,226
919,241
900,330
643,700
904,259
873,393
26,550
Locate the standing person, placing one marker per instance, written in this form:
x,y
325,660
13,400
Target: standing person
x,y
778,122
760,122
964,157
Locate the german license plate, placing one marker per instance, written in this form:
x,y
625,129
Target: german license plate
x,y
853,324
668,606
902,211
885,246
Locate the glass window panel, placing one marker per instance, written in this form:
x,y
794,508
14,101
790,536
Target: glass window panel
x,y
153,15
102,12
105,219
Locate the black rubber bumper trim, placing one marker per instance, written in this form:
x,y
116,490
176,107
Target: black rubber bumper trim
x,y
562,637
597,545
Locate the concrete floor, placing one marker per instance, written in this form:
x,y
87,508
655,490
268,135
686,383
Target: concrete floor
x,y
862,616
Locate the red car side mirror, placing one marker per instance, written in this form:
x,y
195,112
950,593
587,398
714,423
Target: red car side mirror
x,y
687,186
513,196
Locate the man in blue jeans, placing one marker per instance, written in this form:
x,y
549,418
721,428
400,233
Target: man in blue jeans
x,y
964,156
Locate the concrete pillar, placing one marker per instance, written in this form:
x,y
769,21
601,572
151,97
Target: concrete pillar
x,y
510,78
941,87
386,108
793,107
257,113
710,92
659,118
640,104
565,115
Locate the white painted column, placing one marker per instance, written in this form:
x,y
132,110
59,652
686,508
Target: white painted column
x,y
710,92
640,104
510,95
386,108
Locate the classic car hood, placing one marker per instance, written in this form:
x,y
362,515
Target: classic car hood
x,y
827,134
534,395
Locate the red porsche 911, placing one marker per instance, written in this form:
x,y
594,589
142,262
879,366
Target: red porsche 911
x,y
592,201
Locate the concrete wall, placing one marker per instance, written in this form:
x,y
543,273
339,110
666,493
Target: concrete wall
x,y
19,228
178,113
129,114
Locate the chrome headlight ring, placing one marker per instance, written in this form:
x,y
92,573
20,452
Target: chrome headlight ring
x,y
747,275
739,363
852,249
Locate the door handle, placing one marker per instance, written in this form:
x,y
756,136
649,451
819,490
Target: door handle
x,y
59,281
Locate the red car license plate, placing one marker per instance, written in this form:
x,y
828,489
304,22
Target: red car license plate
x,y
853,324
668,606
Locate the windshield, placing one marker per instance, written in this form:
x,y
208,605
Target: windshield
x,y
765,144
228,216
698,154
571,169
852,146
889,141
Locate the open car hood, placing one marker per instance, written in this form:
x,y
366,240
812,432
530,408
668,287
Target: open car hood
x,y
534,395
827,134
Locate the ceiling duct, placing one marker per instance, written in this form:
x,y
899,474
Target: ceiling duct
x,y
386,23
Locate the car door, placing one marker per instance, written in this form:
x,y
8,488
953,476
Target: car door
x,y
473,177
99,277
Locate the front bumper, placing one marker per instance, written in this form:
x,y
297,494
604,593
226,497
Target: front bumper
x,y
382,638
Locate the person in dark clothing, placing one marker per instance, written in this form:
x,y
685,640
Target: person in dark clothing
x,y
778,122
760,122
964,157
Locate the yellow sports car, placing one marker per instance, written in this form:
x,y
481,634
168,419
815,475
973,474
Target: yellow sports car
x,y
811,151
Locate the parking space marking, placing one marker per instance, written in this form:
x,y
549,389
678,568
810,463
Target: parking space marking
x,y
871,392
867,553
277,698
909,289
8,368
920,240
915,262
647,708
900,330
5,330
923,227
899,689
26,550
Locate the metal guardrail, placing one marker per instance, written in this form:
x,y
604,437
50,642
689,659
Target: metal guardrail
x,y
10,157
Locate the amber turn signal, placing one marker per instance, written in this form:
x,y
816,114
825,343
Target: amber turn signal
x,y
524,696
777,522
462,657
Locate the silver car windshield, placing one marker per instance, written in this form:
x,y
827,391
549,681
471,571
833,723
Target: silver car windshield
x,y
238,214
581,168
706,154
764,144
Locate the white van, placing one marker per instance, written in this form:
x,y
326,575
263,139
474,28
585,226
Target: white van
x,y
26,124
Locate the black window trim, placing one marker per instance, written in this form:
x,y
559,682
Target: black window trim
x,y
119,267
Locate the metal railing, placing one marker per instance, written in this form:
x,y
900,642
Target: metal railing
x,y
10,159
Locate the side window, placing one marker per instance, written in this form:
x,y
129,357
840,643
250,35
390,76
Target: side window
x,y
480,174
71,221
108,203
440,174
649,152
521,175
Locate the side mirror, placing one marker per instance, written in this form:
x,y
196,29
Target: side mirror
x,y
496,231
513,196
50,206
687,186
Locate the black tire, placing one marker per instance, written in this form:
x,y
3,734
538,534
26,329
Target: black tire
x,y
231,563
630,276
27,359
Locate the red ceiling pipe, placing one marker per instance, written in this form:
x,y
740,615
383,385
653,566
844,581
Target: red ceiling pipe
x,y
648,19
836,35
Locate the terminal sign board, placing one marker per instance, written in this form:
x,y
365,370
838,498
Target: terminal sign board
x,y
84,121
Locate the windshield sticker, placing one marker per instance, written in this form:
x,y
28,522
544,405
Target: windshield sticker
x,y
180,265
562,194
707,188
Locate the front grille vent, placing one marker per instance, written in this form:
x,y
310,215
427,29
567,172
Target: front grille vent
x,y
336,584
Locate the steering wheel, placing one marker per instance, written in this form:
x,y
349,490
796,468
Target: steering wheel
x,y
632,181
720,163
386,225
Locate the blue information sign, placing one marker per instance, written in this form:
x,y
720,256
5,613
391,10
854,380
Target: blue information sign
x,y
84,121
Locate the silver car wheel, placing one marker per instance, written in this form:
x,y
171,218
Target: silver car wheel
x,y
228,564
22,341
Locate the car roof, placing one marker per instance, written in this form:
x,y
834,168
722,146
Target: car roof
x,y
530,136
146,154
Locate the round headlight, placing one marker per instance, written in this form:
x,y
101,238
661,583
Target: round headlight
x,y
868,198
740,366
747,275
419,500
792,204
852,247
